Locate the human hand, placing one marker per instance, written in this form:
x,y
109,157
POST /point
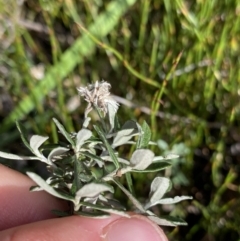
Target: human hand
x,y
27,215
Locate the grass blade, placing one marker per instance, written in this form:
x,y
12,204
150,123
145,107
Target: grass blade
x,y
109,148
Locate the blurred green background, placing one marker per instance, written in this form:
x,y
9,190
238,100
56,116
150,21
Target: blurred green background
x,y
175,64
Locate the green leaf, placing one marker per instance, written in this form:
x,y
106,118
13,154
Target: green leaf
x,y
167,157
175,220
108,210
67,160
85,178
58,172
94,157
35,142
111,115
145,138
17,157
78,168
120,160
93,190
171,200
107,145
49,146
155,167
46,187
111,203
137,204
141,159
128,130
35,189
64,132
167,220
73,189
117,126
56,152
93,141
82,136
161,221
129,182
159,187
24,134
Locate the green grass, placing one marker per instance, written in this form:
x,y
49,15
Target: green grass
x,y
180,59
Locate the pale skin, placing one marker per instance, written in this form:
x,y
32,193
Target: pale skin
x,y
27,215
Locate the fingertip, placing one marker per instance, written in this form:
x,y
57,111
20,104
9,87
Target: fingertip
x,y
136,228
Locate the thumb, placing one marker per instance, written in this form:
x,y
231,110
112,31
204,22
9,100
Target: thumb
x,y
114,228
136,228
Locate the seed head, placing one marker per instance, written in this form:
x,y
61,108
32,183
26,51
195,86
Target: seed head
x,y
98,95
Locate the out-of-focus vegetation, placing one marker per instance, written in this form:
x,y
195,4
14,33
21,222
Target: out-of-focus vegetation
x,y
174,64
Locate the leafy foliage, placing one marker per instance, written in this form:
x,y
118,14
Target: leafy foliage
x,y
84,170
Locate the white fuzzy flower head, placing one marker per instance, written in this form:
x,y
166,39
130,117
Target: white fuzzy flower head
x,y
98,95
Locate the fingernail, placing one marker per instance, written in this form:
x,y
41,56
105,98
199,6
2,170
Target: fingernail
x,y
136,228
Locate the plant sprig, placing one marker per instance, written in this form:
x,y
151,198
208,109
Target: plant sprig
x,y
86,169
